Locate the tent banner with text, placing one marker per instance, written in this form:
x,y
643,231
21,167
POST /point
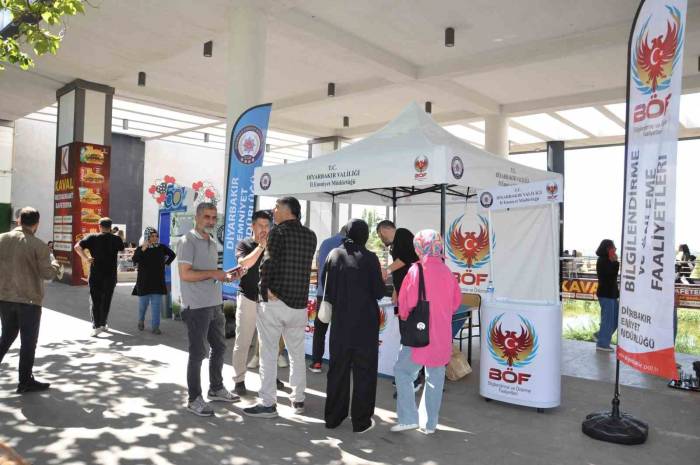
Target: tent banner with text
x,y
647,274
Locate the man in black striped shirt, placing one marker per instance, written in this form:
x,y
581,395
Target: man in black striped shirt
x,y
284,290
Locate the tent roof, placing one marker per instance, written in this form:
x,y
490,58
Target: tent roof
x,y
412,152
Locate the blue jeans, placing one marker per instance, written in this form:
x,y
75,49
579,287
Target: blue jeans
x,y
609,309
156,301
405,371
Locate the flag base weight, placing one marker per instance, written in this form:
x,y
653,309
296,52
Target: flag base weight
x,y
619,429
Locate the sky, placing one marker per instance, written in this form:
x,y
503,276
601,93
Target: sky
x,y
593,189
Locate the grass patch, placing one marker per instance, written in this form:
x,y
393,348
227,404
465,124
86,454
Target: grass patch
x,y
582,320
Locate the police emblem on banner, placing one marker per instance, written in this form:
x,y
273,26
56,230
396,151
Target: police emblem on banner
x,y
248,146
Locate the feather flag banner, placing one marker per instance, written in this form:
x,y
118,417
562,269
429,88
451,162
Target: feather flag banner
x,y
647,261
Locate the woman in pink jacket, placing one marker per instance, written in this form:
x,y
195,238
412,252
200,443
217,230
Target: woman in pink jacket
x,y
442,291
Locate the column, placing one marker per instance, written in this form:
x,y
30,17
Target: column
x,y
82,170
555,163
6,142
247,39
497,135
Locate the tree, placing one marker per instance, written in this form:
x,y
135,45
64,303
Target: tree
x,y
33,24
374,243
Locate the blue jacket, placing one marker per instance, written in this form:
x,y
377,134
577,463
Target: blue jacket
x,y
326,247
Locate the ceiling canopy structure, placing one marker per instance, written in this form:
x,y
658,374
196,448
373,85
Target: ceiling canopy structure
x,y
543,63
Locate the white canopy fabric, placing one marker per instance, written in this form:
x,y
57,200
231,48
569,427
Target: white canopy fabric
x,y
411,152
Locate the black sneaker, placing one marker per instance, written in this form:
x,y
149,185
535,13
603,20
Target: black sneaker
x,y
371,425
298,407
32,386
157,330
280,384
261,411
141,325
240,389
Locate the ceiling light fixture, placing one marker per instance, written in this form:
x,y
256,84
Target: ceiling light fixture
x,y
331,89
125,124
346,121
267,147
208,48
206,138
429,107
450,37
142,79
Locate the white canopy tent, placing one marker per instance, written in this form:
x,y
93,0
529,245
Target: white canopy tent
x,y
411,155
415,164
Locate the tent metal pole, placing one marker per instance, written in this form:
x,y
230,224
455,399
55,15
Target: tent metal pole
x,y
443,208
393,199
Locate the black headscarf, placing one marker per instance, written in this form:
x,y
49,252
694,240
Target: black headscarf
x,y
358,233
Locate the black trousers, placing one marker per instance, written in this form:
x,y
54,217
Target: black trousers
x,y
22,319
101,291
362,363
319,344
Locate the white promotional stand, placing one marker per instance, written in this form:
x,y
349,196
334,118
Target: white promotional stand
x,y
389,337
521,339
521,353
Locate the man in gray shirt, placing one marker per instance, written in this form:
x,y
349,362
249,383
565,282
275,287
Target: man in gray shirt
x,y
200,284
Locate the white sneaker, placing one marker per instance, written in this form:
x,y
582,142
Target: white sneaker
x,y
282,361
200,408
427,431
254,362
398,428
96,332
105,329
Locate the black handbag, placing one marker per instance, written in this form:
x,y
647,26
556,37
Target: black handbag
x,y
415,331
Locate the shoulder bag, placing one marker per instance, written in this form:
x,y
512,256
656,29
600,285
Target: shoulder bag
x,y
415,330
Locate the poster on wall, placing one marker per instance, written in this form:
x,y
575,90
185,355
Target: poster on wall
x,y
647,259
469,249
247,148
81,198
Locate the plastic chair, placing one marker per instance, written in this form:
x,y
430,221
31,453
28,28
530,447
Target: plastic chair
x,y
465,315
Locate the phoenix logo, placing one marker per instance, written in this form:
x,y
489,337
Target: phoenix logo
x,y
653,61
467,248
382,319
421,165
311,310
510,348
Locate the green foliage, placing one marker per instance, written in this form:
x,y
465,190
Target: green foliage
x,y
580,333
374,243
34,20
581,320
